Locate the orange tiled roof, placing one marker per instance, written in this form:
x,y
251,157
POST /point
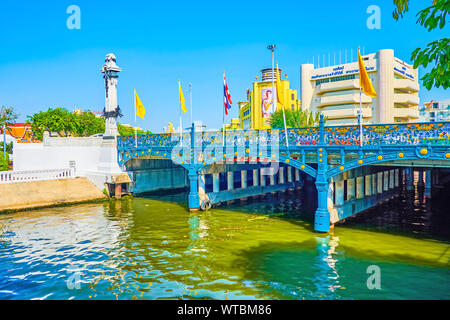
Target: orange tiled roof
x,y
21,132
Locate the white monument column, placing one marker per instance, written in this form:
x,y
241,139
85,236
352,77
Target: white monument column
x,y
110,72
108,171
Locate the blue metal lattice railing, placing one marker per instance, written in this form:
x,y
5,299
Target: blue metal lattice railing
x,y
386,134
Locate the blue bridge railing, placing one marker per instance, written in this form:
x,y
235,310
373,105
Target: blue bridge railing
x,y
385,134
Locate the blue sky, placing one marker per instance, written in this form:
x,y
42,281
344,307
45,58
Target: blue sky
x,y
44,64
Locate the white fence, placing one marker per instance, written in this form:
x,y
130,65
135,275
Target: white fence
x,y
36,175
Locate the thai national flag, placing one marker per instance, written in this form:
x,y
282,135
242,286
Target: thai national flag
x,y
226,96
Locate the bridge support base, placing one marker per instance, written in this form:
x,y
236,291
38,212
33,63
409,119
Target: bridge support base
x,y
193,199
322,215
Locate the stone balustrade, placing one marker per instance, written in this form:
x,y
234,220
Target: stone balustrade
x,y
36,175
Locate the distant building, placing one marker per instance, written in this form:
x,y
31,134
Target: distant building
x,y
256,111
233,125
435,111
334,90
20,132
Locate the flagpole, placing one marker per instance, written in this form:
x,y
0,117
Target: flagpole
x,y
135,120
275,97
181,124
360,109
284,116
223,119
360,115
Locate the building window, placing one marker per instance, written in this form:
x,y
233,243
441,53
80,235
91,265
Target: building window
x,y
292,107
292,97
335,79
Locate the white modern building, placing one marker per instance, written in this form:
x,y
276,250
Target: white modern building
x,y
334,90
435,111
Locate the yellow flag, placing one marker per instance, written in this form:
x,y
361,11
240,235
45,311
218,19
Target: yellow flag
x,y
183,106
280,91
364,80
140,110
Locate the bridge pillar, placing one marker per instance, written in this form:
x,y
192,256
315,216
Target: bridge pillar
x,y
380,182
385,180
297,174
396,178
360,187
339,192
409,179
255,177
272,178
368,185
262,179
281,175
374,183
322,216
201,184
230,180
350,189
289,174
427,183
216,182
193,199
244,179
391,179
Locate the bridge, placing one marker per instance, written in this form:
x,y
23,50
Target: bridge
x,y
322,153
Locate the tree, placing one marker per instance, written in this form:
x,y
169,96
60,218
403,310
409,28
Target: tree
x,y
128,130
7,116
65,123
9,147
438,51
303,119
4,161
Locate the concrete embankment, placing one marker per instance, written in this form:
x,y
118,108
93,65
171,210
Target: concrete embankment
x,y
36,194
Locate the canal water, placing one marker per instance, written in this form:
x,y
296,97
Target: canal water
x,y
151,247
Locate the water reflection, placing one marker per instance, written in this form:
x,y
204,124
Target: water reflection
x,y
144,248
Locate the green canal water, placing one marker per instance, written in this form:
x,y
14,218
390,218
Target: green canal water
x,y
153,248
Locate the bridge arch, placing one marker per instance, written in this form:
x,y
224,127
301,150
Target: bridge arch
x,y
412,154
165,153
295,163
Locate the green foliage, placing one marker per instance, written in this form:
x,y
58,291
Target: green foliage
x,y
65,123
294,120
437,52
4,164
9,147
401,8
126,130
7,116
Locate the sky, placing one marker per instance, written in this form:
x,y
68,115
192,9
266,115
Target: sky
x,y
45,64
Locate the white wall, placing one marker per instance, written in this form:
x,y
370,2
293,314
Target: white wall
x,y
56,153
